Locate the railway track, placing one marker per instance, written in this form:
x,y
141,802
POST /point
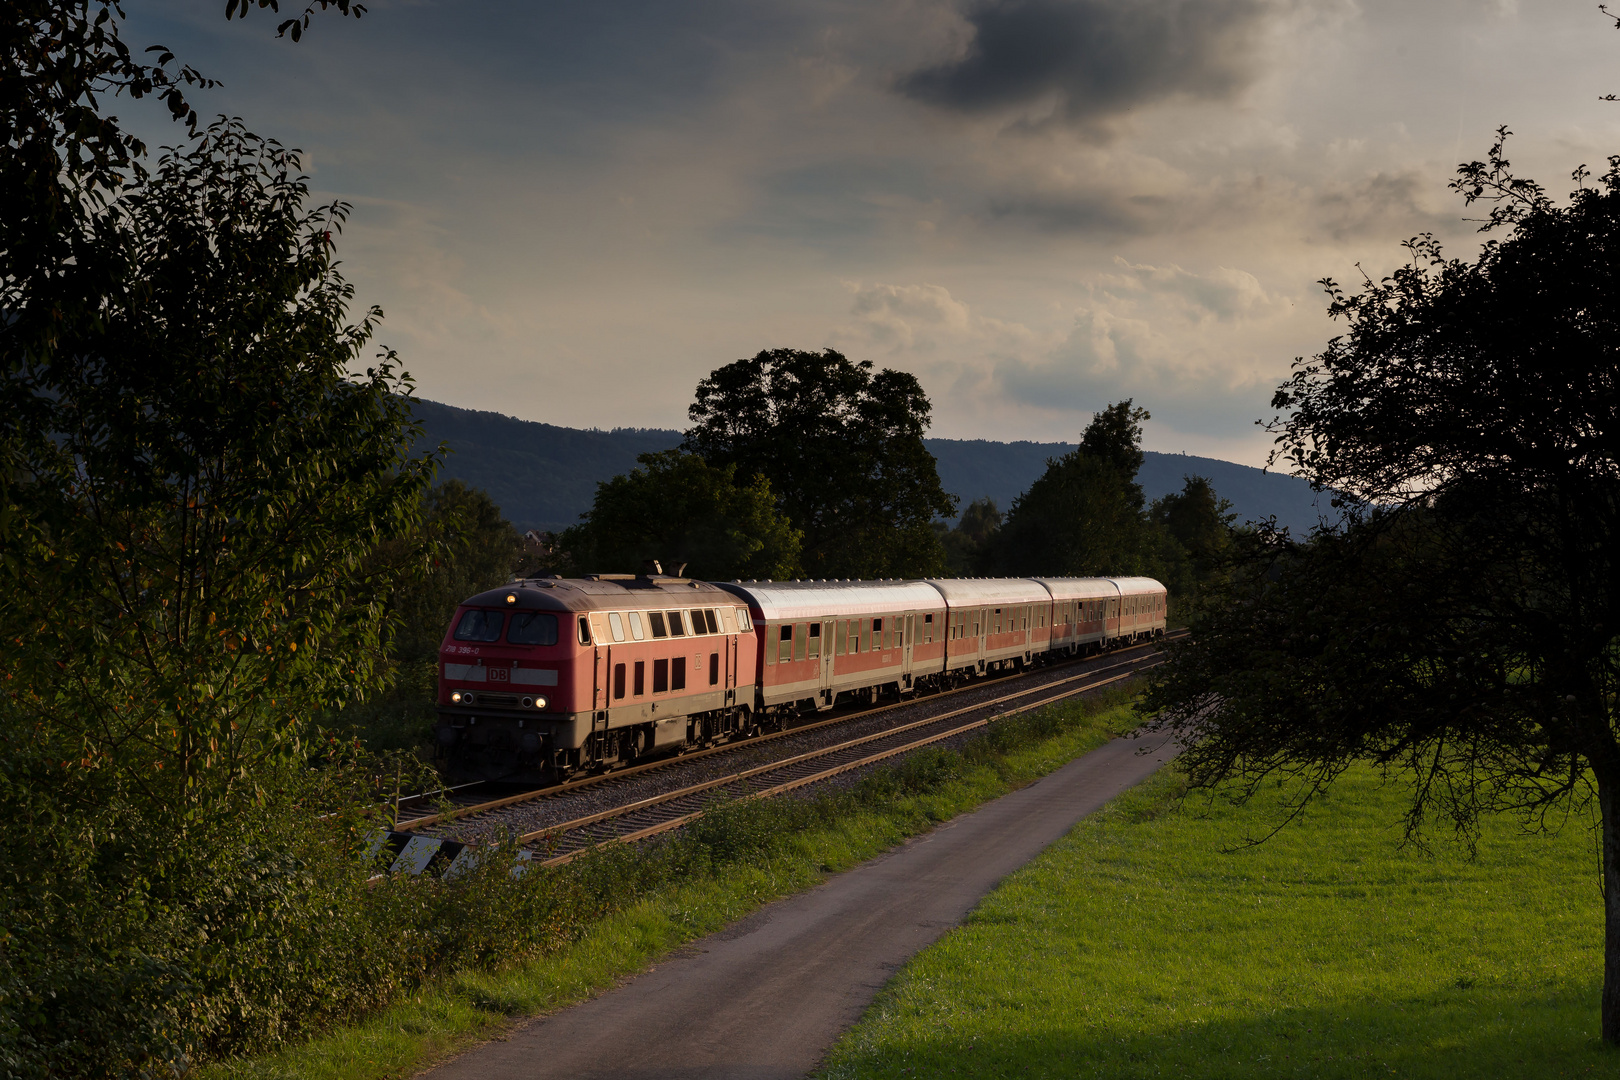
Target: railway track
x,y
671,810
571,821
470,812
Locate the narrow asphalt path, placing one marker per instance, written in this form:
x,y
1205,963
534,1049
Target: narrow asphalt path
x,y
766,997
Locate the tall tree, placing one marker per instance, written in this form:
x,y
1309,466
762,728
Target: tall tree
x,y
1085,515
1462,629
843,450
678,509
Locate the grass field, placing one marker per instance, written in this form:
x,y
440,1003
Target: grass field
x,y
1144,945
752,854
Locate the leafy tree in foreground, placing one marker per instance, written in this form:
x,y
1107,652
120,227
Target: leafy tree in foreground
x,y
843,451
1085,514
1462,632
677,508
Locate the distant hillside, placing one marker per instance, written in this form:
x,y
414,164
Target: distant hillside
x,y
545,476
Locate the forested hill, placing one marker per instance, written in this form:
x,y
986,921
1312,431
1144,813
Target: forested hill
x,y
545,476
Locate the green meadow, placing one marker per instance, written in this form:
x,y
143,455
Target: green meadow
x,y
1153,942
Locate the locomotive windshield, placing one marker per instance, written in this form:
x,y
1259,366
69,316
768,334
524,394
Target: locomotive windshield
x,y
478,625
533,628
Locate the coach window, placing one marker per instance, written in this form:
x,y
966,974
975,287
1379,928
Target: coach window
x,y
814,651
784,643
770,651
677,673
616,624
656,619
714,669
801,641
928,629
636,630
677,625
841,637
618,681
641,677
660,676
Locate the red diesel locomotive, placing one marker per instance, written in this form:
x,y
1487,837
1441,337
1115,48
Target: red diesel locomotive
x,y
553,675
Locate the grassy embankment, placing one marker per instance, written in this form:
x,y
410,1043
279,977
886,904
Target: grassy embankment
x,y
744,856
1144,945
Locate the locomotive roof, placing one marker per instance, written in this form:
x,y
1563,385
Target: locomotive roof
x,y
788,601
616,593
974,591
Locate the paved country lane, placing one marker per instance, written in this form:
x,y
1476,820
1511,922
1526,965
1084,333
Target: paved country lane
x,y
766,997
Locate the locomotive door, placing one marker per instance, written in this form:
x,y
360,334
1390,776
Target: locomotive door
x,y
731,669
603,667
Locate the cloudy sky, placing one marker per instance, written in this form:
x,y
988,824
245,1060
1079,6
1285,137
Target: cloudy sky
x,y
572,211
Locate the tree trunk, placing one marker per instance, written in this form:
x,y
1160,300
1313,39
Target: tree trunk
x,y
1609,807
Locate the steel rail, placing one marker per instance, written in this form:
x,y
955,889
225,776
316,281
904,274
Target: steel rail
x,y
556,831
566,787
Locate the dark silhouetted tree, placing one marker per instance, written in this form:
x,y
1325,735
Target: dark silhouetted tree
x,y
1461,629
1085,515
843,450
678,509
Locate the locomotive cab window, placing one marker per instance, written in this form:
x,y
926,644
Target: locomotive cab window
x,y
677,625
616,624
635,626
477,625
656,618
710,621
584,630
532,628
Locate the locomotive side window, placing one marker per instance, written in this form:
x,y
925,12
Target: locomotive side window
x,y
714,669
532,628
641,677
660,676
814,650
677,673
616,624
656,618
677,625
618,681
635,626
476,625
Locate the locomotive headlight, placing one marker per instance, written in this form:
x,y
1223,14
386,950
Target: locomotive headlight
x,y
511,598
455,697
539,702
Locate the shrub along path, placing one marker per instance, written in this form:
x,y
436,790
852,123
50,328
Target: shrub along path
x,y
769,995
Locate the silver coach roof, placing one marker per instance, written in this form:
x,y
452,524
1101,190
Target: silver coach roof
x,y
972,592
789,601
1081,588
1136,586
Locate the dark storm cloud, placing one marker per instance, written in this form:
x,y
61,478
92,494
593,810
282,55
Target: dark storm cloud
x,y
1095,59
